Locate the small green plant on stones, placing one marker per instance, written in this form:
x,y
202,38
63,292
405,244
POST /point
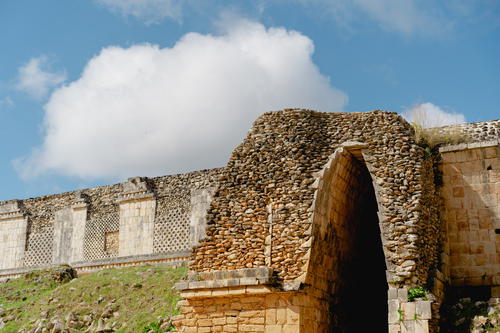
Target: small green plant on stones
x,y
417,292
401,314
153,327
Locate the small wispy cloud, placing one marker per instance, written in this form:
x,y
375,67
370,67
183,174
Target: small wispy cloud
x,y
430,115
404,16
149,11
6,103
407,17
36,79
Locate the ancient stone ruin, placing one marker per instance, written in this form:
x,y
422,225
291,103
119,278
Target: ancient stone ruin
x,y
320,222
145,220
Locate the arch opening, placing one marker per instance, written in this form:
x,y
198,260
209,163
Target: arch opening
x,y
361,299
347,261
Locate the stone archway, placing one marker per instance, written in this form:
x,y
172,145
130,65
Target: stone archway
x,y
347,262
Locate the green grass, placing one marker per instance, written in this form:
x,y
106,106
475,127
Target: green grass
x,y
141,295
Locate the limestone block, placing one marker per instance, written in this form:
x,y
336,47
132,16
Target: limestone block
x,y
392,293
421,326
423,310
408,309
403,294
394,328
255,328
393,314
291,328
408,326
273,329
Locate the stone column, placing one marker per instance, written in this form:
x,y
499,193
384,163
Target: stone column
x,y
69,232
137,213
63,229
13,226
79,216
200,202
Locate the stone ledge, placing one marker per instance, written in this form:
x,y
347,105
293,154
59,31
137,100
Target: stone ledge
x,y
472,145
11,216
227,278
11,210
138,196
128,259
90,266
229,291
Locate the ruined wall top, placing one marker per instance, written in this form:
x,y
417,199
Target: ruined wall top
x,y
103,200
469,132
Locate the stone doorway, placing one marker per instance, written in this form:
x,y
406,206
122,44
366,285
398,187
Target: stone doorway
x,y
347,263
360,303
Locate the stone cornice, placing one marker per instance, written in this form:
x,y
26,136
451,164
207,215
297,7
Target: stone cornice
x,y
136,188
11,210
80,201
471,145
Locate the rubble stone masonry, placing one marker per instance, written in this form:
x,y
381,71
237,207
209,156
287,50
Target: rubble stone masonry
x,y
293,202
99,227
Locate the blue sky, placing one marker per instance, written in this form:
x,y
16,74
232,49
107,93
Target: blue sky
x,y
95,91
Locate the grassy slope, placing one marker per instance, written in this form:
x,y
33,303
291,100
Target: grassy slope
x,y
139,295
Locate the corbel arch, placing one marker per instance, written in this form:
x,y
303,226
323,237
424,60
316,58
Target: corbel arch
x,y
347,265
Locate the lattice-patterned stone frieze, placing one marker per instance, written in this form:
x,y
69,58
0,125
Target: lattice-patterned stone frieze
x,y
39,248
171,231
95,237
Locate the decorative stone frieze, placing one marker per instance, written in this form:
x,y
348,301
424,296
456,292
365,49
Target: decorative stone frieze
x,y
11,210
136,188
84,225
81,201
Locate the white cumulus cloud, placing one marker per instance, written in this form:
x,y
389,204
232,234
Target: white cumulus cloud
x,y
146,110
430,115
36,79
150,11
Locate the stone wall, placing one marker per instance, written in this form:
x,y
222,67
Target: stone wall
x,y
144,216
294,200
471,193
274,169
301,196
12,234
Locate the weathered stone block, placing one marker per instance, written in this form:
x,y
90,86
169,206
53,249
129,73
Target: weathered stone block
x,y
393,314
394,328
423,310
408,310
403,294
